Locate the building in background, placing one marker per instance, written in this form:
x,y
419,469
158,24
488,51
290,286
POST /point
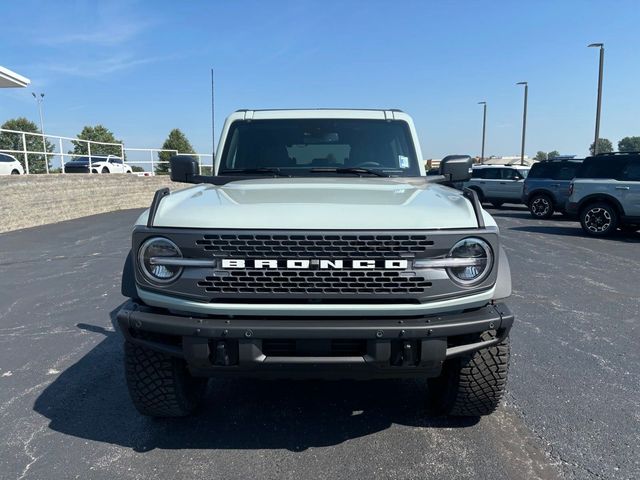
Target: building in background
x,y
9,79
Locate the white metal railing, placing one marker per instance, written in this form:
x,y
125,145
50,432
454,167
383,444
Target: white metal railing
x,y
58,158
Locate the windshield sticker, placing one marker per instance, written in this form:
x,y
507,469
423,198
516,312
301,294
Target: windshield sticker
x,y
404,161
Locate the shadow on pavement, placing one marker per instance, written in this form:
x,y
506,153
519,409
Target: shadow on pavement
x,y
619,236
89,400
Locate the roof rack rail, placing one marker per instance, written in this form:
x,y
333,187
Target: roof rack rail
x,y
617,153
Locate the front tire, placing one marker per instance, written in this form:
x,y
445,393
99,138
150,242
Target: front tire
x,y
599,219
471,385
161,385
104,170
541,206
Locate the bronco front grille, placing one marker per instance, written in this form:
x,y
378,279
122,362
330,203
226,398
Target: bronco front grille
x,y
315,282
313,246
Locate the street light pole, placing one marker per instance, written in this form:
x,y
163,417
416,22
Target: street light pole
x,y
484,128
599,106
524,119
39,100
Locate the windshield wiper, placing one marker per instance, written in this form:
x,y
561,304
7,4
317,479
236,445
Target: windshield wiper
x,y
249,171
347,170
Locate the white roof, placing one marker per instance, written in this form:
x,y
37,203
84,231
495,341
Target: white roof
x,y
9,79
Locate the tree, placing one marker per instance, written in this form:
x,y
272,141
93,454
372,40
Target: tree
x,y
13,141
629,144
99,133
175,141
553,154
540,156
604,146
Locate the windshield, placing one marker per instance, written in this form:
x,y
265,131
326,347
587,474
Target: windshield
x,y
327,146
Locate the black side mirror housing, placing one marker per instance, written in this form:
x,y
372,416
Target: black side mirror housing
x,y
456,168
184,168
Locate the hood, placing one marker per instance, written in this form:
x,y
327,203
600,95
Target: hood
x,y
317,204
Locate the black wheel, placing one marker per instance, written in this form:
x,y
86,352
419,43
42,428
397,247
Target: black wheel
x,y
160,385
473,384
15,172
541,206
497,204
599,219
104,170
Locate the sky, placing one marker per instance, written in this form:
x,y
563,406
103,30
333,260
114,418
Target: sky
x,y
142,68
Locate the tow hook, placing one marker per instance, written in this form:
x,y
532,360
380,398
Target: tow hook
x,y
222,355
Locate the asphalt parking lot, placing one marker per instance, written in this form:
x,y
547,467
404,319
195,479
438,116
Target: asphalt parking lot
x,y
572,409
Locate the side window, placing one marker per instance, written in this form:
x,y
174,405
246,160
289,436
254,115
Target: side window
x,y
510,174
478,173
631,172
5,158
492,173
541,170
566,172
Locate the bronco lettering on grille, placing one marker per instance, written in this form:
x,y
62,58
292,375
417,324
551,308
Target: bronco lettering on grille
x,y
313,264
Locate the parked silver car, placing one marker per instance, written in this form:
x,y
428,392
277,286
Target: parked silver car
x,y
498,184
606,193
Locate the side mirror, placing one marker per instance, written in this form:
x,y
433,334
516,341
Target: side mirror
x,y
456,168
183,168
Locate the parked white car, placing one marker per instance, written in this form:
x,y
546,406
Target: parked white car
x,y
97,164
498,184
9,165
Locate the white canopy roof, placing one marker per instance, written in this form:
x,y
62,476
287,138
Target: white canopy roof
x,y
9,79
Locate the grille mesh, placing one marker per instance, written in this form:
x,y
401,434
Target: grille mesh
x,y
312,246
314,283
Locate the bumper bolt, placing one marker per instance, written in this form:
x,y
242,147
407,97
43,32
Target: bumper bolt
x,y
248,333
379,333
491,325
225,333
137,324
430,331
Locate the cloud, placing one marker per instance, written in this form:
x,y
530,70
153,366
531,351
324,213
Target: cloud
x,y
105,35
102,66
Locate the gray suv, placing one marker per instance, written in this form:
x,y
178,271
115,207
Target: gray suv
x,y
498,184
546,188
606,193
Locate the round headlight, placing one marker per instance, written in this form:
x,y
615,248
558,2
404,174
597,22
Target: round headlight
x,y
478,265
151,256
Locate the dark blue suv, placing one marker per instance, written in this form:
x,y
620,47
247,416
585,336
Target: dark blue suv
x,y
546,188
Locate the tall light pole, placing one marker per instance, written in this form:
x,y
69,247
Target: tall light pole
x,y
524,119
484,128
39,100
599,107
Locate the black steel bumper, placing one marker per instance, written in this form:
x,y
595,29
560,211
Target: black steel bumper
x,y
314,347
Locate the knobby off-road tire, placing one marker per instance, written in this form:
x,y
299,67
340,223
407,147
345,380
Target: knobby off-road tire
x,y
473,384
160,385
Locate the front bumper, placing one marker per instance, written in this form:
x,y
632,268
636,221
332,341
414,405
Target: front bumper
x,y
304,347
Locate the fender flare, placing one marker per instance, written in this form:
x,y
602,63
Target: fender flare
x,y
128,284
503,282
601,197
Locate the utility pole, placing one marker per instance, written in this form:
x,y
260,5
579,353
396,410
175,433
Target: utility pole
x,y
599,105
524,119
213,120
484,128
39,100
